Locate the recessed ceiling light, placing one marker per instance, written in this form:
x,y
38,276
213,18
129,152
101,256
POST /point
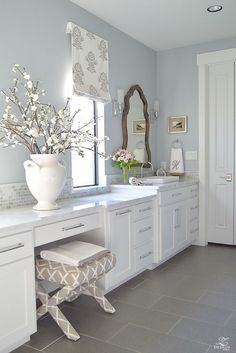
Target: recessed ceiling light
x,y
214,8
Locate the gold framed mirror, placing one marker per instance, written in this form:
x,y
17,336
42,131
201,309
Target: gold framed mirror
x,y
135,124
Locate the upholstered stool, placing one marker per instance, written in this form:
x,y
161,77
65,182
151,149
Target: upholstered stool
x,y
75,280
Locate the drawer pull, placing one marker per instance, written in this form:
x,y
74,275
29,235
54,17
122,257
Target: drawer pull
x,y
194,208
194,230
145,229
122,212
145,255
12,247
73,227
193,190
177,194
145,209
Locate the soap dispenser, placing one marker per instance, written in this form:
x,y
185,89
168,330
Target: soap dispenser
x,y
162,170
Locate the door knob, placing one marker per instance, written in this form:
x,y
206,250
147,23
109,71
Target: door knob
x,y
227,177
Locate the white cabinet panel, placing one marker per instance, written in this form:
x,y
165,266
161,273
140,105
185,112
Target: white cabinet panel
x,y
121,244
143,231
167,243
17,302
143,256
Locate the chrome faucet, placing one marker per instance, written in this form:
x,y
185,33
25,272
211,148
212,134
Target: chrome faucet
x,y
144,165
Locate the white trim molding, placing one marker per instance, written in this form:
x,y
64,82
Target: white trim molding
x,y
203,61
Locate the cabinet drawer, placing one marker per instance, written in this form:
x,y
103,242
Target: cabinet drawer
x,y
143,231
193,191
67,228
172,196
143,256
143,210
193,210
15,247
193,225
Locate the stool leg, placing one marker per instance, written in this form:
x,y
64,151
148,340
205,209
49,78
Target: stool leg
x,y
63,323
99,297
49,304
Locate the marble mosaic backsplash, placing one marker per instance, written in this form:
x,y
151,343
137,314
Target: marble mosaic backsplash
x,y
18,194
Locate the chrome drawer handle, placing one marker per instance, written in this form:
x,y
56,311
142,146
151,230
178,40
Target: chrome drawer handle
x,y
73,227
177,194
193,190
145,229
194,230
12,247
121,213
146,255
194,208
145,209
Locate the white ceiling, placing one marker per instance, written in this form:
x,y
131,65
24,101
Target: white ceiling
x,y
164,24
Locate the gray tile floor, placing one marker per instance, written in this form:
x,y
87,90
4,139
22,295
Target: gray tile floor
x,y
184,306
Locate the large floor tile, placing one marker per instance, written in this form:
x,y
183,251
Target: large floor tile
x,y
137,296
147,341
172,286
225,283
48,331
134,282
219,300
158,321
195,311
232,321
94,325
25,349
204,332
84,345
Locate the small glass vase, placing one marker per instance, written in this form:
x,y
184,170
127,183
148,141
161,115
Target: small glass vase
x,y
125,174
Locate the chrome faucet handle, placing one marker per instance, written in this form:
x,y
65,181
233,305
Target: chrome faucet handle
x,y
143,164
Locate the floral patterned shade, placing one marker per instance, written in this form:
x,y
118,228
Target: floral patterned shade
x,y
89,64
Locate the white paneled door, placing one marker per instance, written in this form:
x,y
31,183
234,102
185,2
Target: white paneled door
x,y
221,153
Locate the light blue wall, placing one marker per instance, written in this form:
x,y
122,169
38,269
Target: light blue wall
x,y
32,33
177,90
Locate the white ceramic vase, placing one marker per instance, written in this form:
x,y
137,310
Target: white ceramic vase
x,y
45,177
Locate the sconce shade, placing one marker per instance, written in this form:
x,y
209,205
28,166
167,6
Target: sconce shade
x,y
156,106
120,96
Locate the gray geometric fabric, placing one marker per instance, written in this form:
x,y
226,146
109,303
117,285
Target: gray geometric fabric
x,y
76,280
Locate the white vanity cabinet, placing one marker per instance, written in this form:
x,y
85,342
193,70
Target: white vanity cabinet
x,y
178,219
129,235
17,294
121,239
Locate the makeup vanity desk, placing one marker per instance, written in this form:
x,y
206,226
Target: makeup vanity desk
x,y
22,230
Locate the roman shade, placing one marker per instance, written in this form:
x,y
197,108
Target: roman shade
x,y
89,64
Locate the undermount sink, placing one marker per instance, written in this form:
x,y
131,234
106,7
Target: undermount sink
x,y
159,179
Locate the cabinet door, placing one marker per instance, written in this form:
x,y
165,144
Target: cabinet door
x,y
17,302
121,244
166,232
180,225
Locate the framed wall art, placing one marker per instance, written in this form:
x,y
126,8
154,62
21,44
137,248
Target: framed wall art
x,y
139,126
177,124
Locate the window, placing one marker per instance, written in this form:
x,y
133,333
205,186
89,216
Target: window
x,y
85,171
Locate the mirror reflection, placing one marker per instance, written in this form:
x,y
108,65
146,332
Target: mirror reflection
x,y
135,124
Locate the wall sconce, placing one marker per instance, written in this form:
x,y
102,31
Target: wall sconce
x,y
118,104
154,114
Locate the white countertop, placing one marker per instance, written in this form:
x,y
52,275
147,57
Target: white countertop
x,y
157,187
16,219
